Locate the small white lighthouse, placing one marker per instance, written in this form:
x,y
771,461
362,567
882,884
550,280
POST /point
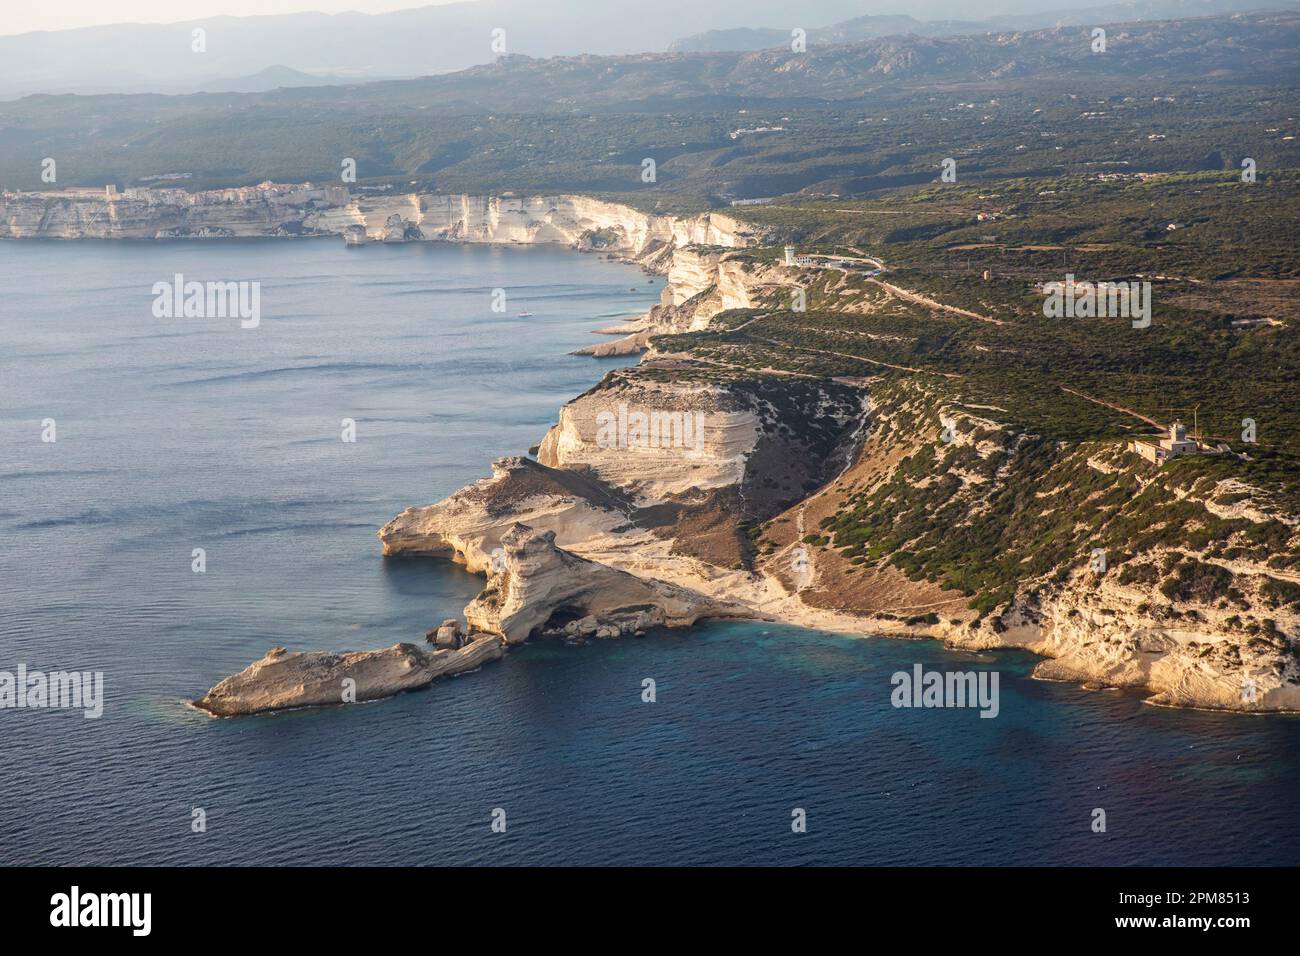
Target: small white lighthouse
x,y
789,255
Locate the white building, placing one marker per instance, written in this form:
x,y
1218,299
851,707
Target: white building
x,y
1175,445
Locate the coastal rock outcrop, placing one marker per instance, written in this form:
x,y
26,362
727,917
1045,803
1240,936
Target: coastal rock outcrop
x,y
284,679
540,585
667,455
1197,651
702,283
468,527
447,634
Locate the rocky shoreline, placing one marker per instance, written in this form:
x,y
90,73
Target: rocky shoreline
x,y
532,580
676,515
601,537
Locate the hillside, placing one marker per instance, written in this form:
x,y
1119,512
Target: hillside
x,y
846,120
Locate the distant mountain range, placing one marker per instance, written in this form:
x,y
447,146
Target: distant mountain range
x,y
744,39
135,57
256,54
872,26
1254,48
843,118
1243,47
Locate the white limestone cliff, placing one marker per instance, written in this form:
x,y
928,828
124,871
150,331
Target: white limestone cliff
x,y
468,527
654,439
568,219
702,283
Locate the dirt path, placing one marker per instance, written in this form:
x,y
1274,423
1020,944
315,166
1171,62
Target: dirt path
x,y
751,369
919,299
855,358
1118,408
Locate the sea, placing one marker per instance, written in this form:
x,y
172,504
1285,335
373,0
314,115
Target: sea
x,y
135,449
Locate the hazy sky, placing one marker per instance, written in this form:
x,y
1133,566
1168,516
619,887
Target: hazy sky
x,y
65,14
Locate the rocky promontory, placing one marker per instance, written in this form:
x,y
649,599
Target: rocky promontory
x,y
284,679
742,471
766,491
542,588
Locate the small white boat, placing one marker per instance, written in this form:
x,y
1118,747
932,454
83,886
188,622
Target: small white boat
x,y
524,315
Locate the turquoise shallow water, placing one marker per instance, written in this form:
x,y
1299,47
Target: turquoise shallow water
x,y
177,434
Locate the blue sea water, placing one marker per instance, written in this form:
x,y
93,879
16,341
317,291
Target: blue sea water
x,y
176,434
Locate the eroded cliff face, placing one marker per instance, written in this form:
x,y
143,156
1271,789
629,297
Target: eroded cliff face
x,y
536,585
468,527
655,471
49,216
655,439
1189,652
573,220
702,283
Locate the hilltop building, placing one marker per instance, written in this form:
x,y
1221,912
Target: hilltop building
x,y
1175,445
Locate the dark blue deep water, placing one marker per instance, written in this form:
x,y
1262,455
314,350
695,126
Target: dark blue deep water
x,y
181,434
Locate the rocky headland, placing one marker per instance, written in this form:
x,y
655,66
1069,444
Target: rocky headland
x,y
756,511
535,586
711,480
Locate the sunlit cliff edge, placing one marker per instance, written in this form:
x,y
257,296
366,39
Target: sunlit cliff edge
x,y
290,210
